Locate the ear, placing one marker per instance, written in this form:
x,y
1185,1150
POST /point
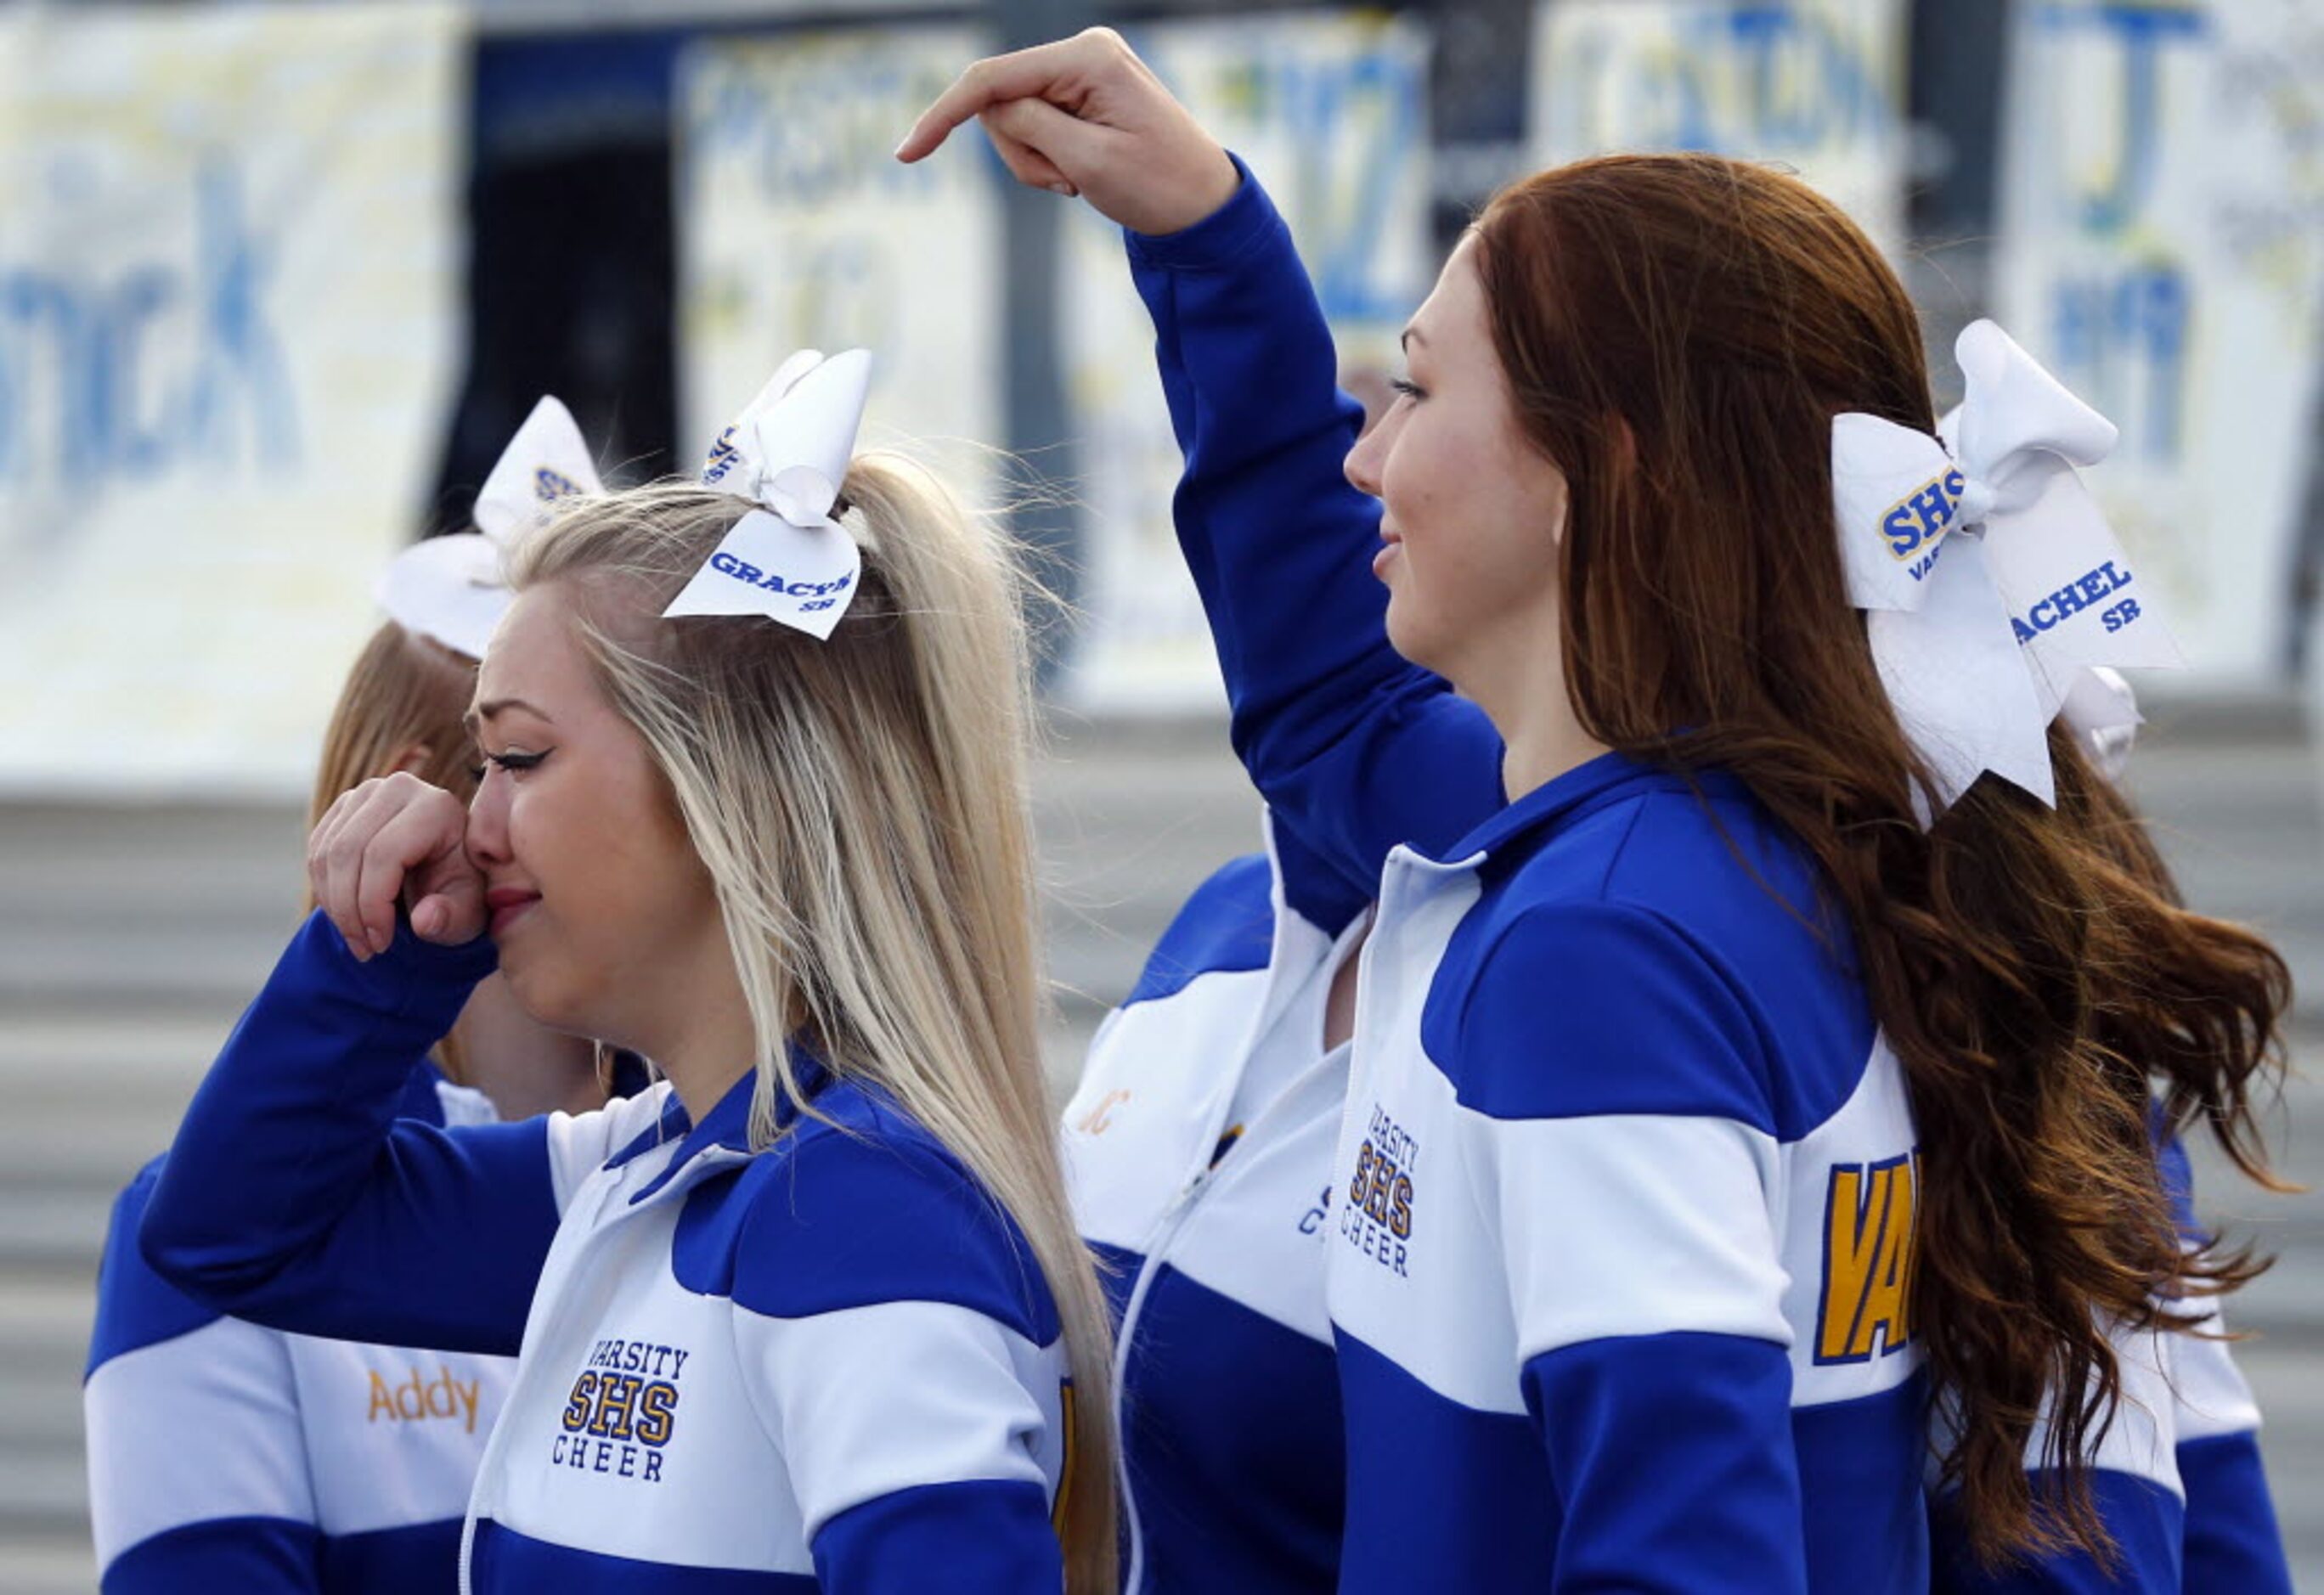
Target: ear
x,y
410,761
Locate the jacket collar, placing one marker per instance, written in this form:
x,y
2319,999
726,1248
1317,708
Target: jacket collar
x,y
726,1127
1610,778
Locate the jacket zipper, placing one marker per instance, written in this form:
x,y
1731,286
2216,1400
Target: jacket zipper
x,y
497,1444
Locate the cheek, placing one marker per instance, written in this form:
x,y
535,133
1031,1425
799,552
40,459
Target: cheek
x,y
653,884
1416,467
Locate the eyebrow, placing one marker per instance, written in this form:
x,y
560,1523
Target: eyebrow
x,y
1409,336
484,712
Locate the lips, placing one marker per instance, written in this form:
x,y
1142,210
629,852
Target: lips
x,y
506,904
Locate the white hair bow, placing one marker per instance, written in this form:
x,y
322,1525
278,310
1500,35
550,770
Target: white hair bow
x,y
451,588
787,453
2103,712
1992,580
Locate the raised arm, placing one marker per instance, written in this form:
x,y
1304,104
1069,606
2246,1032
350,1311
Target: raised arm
x,y
1359,749
292,1196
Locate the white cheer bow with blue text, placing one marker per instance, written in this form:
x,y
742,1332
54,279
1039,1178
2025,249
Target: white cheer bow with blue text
x,y
1992,582
787,453
450,588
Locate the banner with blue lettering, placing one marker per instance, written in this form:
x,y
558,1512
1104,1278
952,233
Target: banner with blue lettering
x,y
1817,84
228,271
1331,111
2162,252
798,229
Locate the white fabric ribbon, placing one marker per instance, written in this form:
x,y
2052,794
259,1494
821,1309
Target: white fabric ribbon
x,y
2103,710
787,453
451,588
1992,581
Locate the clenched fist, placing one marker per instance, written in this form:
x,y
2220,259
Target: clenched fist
x,y
396,838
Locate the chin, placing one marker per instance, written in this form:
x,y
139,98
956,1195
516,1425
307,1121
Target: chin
x,y
545,997
1411,638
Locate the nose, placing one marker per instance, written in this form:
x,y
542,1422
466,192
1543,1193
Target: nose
x,y
488,839
1362,464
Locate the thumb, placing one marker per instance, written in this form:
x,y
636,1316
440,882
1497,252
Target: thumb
x,y
1025,163
452,911
1046,147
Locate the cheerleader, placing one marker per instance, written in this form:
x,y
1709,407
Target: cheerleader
x,y
810,1312
1198,1148
225,1456
1759,1072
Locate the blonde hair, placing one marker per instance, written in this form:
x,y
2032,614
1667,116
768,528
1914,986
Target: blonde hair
x,y
404,691
861,806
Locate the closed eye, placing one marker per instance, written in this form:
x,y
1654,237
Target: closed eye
x,y
1405,388
511,762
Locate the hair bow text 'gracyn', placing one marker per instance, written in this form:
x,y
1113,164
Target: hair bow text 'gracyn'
x,y
787,453
450,588
1992,582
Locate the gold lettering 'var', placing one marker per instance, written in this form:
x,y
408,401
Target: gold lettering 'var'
x,y
1870,1248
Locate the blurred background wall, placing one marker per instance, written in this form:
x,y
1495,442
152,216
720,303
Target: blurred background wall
x,y
277,283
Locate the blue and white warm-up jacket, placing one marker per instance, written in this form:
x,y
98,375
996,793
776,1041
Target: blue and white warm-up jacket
x,y
1212,1223
222,1456
831,1365
1624,1261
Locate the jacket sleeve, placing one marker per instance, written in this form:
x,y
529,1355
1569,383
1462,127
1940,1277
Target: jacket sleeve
x,y
2133,1483
2178,1478
198,1476
900,1350
2232,1539
1357,749
294,1197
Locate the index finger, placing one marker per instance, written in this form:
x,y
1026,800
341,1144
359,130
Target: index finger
x,y
1019,75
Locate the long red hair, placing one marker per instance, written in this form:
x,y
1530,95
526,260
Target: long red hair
x,y
1678,332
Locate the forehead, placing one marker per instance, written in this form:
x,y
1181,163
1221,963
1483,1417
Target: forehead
x,y
532,654
1454,309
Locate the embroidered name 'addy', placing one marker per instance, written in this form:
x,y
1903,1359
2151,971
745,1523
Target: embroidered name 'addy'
x,y
622,1411
417,1399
